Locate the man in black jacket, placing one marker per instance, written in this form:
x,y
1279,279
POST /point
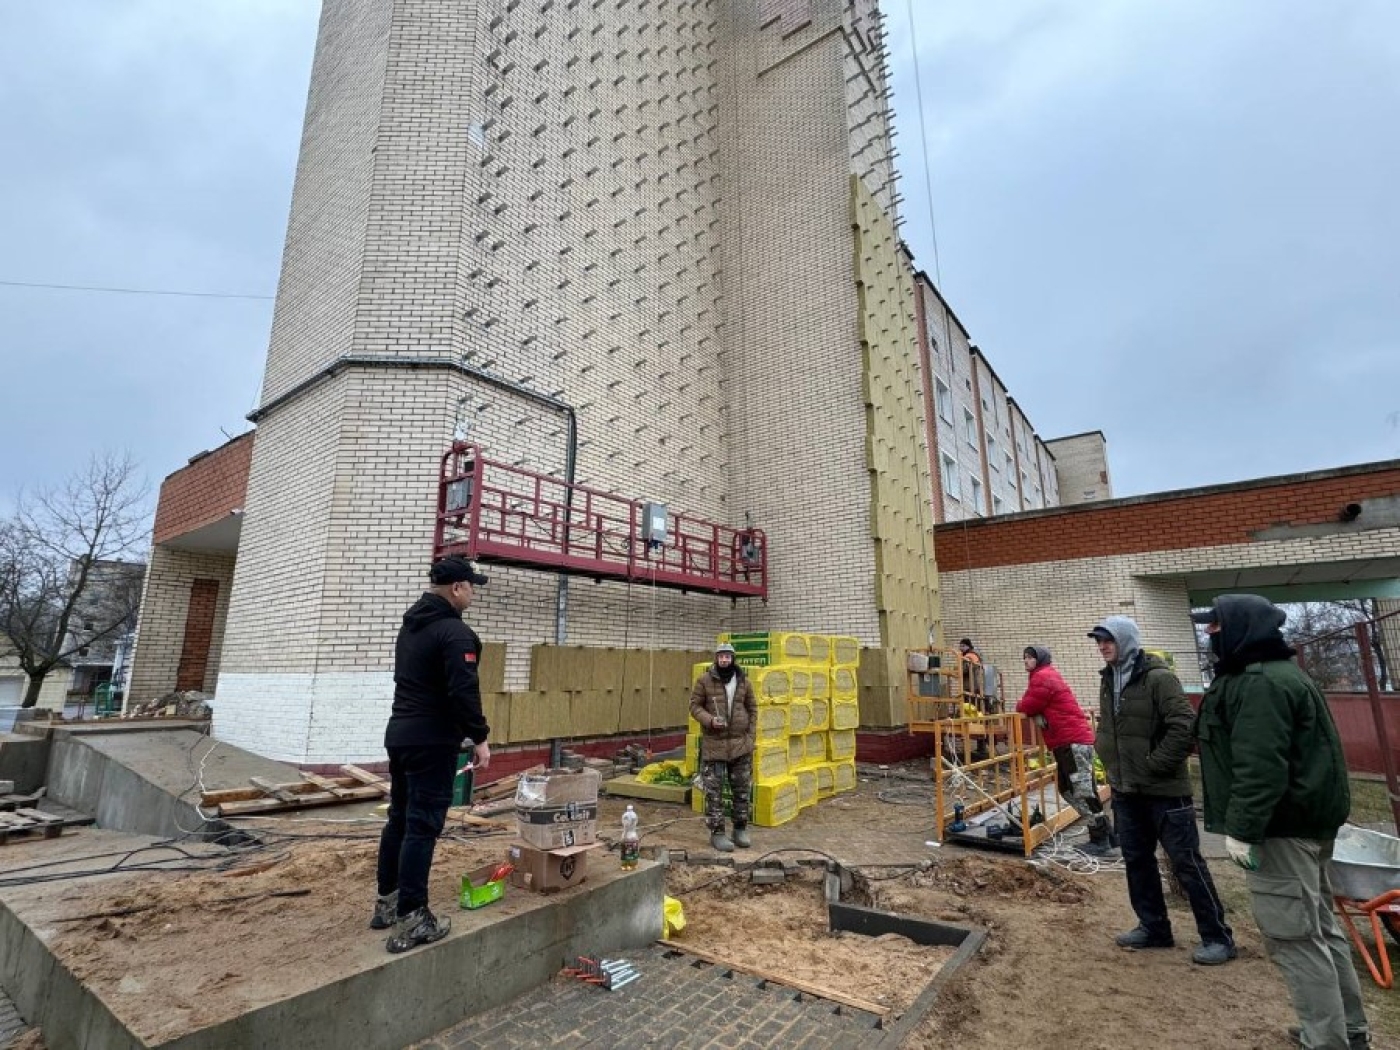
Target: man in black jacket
x,y
437,704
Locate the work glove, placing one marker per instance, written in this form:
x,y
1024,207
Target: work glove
x,y
1242,853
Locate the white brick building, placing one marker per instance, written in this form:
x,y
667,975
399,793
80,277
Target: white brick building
x,y
675,216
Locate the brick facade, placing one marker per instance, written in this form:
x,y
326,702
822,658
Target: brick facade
x,y
1046,577
1244,513
982,443
1081,461
161,636
210,488
625,206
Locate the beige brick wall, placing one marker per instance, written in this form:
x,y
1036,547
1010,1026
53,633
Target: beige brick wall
x,y
1054,603
1082,464
642,212
164,605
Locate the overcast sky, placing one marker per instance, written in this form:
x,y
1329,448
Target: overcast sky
x,y
1175,222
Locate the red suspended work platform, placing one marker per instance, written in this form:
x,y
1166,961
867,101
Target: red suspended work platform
x,y
500,514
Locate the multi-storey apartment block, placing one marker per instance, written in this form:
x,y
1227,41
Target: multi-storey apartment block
x,y
986,456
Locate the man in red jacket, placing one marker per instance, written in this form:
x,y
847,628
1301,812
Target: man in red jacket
x,y
1068,735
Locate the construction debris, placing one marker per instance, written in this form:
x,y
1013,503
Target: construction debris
x,y
10,801
354,785
24,822
611,974
188,704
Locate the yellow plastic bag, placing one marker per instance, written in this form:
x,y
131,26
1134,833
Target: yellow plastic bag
x,y
673,917
663,773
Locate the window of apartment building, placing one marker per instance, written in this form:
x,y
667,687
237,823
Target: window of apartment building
x,y
993,460
997,504
977,506
1025,482
1010,467
944,396
970,428
951,485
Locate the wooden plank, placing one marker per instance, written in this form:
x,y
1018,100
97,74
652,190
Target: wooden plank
x,y
323,798
463,815
214,798
808,987
364,776
38,816
630,787
335,785
503,788
14,801
286,792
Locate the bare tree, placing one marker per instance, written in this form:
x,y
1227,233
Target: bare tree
x,y
64,582
1334,659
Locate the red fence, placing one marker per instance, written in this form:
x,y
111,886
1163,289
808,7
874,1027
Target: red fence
x,y
1357,728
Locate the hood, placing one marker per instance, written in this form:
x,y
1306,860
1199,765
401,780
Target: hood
x,y
1125,633
429,609
1248,624
1042,655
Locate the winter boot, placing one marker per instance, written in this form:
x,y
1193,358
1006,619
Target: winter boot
x,y
1215,953
386,911
1100,842
1140,938
419,926
1356,1039
720,842
741,837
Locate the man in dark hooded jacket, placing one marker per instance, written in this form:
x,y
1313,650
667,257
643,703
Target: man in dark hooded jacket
x,y
437,705
1143,740
1275,784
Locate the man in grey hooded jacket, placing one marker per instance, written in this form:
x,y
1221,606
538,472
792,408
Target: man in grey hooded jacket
x,y
1144,738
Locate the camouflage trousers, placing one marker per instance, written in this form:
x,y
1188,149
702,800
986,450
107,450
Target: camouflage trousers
x,y
1075,764
739,773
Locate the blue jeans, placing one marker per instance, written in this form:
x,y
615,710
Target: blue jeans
x,y
1143,822
420,791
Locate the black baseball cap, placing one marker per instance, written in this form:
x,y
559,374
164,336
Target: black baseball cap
x,y
1209,616
455,569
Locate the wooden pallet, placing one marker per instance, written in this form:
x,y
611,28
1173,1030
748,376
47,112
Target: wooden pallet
x,y
10,803
24,822
266,796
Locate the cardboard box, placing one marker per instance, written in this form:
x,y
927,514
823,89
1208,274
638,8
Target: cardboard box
x,y
557,809
479,890
547,871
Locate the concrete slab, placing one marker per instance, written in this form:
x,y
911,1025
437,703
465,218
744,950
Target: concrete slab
x,y
362,997
145,778
25,760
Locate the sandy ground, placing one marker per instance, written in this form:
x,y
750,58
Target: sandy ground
x,y
201,948
783,930
187,950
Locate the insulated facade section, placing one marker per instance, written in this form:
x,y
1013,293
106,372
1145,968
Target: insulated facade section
x,y
906,590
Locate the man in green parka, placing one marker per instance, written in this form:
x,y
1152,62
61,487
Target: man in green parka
x,y
1275,785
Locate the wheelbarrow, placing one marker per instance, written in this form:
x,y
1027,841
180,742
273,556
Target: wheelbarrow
x,y
1365,878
